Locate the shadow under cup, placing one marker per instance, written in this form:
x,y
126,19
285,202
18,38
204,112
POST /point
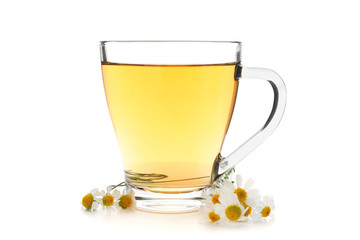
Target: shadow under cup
x,y
171,104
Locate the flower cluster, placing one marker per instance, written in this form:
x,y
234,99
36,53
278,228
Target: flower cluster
x,y
222,202
226,202
111,200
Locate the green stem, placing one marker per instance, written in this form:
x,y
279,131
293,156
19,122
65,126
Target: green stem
x,y
112,187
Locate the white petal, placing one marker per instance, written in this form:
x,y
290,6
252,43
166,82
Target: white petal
x,y
259,206
251,202
228,198
253,193
223,199
131,193
219,209
227,186
116,194
133,201
242,208
238,180
256,216
108,210
96,193
94,205
243,218
249,183
208,207
111,188
117,206
272,207
271,202
98,199
266,200
233,199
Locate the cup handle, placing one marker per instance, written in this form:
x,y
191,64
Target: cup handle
x,y
223,164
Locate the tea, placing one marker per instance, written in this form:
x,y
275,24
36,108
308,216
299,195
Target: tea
x,y
170,121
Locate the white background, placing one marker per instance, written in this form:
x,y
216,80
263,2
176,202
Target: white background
x,y
57,141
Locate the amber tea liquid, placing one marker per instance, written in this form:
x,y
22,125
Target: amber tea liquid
x,y
170,121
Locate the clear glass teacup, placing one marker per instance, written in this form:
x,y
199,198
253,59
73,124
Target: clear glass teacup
x,y
171,104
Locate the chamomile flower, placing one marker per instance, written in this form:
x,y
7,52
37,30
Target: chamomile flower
x,y
211,198
108,199
230,208
264,209
209,215
214,215
89,201
246,195
126,200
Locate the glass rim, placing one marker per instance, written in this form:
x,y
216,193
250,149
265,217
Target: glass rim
x,y
170,52
168,41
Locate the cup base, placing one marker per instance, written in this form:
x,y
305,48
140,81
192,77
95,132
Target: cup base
x,y
167,202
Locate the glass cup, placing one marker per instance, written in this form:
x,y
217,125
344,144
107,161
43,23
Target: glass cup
x,y
171,104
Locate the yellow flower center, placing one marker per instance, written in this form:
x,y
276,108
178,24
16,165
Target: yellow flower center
x,y
248,212
233,212
215,199
87,201
241,194
108,200
266,211
125,201
213,217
